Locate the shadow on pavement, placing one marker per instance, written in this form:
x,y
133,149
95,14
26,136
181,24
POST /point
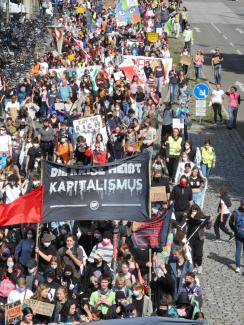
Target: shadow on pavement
x,y
232,62
222,260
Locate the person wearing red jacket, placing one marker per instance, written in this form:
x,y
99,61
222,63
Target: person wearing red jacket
x,y
99,156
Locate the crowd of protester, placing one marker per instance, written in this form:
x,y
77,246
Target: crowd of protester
x,y
74,265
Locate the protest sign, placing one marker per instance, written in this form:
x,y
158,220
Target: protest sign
x,y
56,34
88,124
109,4
39,307
13,312
118,190
178,123
186,60
158,194
152,37
80,10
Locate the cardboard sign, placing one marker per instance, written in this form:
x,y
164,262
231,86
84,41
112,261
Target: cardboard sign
x,y
158,194
88,124
201,107
152,37
186,60
109,4
178,123
13,312
39,307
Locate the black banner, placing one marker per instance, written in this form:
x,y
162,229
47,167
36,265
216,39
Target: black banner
x,y
117,190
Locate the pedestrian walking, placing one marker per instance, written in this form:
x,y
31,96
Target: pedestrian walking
x,y
237,225
208,158
223,215
188,37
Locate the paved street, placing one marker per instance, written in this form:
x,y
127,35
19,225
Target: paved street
x,y
221,23
223,288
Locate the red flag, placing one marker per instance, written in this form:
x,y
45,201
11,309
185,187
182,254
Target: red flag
x,y
25,209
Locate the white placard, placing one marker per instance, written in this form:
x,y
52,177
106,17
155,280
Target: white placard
x,y
178,123
88,124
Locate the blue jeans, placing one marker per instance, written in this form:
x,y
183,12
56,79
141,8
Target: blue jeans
x,y
232,116
140,110
198,72
217,73
160,84
239,246
197,198
205,170
172,91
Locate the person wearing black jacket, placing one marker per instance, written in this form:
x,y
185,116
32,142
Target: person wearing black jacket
x,y
196,222
236,224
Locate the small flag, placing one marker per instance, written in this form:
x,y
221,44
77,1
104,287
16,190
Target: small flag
x,y
25,209
153,232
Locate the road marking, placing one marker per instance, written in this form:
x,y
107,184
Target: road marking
x,y
225,37
238,52
216,28
239,30
197,29
240,85
231,44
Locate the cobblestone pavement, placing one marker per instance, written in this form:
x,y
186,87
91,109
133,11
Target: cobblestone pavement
x,y
223,288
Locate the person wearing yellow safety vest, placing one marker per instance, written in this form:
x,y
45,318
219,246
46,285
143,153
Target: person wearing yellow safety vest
x,y
188,37
174,147
184,16
208,158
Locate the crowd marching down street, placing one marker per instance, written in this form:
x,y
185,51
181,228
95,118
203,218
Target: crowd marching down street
x,y
102,190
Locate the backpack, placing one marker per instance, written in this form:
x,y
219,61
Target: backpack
x,y
6,286
239,224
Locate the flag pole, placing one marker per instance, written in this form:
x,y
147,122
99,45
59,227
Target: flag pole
x,y
38,225
150,217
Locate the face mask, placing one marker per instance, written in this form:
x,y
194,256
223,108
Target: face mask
x,y
184,159
29,236
10,264
59,161
53,266
162,312
106,241
136,293
183,183
35,145
31,270
20,289
35,166
187,146
46,244
96,261
2,132
188,283
35,183
175,259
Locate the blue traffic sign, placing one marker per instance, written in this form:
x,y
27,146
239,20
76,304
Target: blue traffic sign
x,y
201,91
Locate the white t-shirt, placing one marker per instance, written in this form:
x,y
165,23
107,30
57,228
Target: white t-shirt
x,y
5,142
16,295
226,210
217,96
